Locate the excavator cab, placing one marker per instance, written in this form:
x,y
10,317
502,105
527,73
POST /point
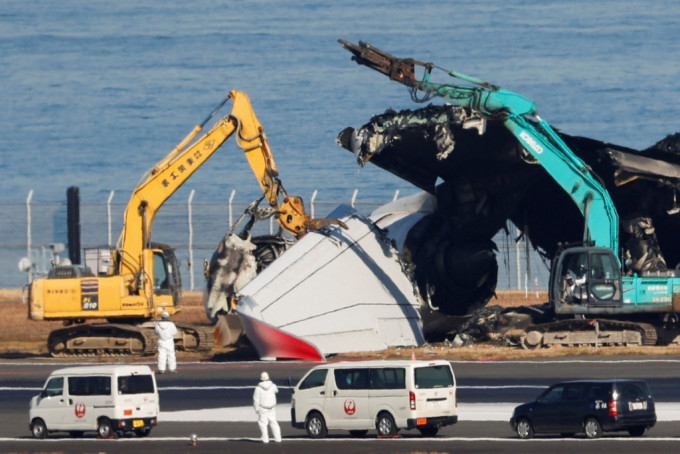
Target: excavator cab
x,y
584,278
167,283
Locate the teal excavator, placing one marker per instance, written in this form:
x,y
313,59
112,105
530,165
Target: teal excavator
x,y
588,286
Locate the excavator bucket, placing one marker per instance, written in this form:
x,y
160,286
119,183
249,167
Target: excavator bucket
x,y
228,330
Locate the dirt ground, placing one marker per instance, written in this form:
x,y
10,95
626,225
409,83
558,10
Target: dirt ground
x,y
21,337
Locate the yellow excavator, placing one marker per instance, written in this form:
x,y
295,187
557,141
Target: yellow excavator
x,y
143,279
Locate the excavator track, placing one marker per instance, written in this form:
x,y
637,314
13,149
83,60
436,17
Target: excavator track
x,y
111,339
195,338
585,332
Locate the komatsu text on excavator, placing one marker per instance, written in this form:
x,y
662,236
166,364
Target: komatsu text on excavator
x,y
144,280
597,297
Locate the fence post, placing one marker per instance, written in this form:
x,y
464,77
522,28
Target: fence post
x,y
231,200
519,271
108,214
28,233
191,239
311,202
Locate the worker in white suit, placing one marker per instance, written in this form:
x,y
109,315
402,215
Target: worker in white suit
x,y
264,401
166,331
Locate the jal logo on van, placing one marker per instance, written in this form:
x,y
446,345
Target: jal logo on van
x,y
80,409
350,407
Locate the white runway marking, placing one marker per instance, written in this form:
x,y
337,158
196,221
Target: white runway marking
x,y
665,411
415,439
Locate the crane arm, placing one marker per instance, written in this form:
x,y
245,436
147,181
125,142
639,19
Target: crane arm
x,y
166,177
536,136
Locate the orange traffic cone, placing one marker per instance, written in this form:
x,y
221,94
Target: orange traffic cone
x,y
413,355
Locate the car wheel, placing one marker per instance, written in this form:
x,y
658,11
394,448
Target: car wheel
x,y
39,429
104,428
429,431
636,431
315,425
592,428
385,425
358,433
524,429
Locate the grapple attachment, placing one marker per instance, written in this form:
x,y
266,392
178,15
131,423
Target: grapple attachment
x,y
398,69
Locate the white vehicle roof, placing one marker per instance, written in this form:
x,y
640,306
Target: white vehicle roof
x,y
384,363
111,369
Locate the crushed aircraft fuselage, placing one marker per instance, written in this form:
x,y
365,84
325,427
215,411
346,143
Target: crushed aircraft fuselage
x,y
482,177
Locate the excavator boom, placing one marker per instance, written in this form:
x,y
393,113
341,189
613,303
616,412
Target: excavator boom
x,y
171,172
586,278
520,117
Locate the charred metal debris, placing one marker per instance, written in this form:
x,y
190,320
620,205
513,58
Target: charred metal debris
x,y
482,177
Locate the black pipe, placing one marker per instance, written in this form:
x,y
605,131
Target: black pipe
x,y
73,224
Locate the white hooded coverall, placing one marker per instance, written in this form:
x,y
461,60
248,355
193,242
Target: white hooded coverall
x,y
264,401
166,331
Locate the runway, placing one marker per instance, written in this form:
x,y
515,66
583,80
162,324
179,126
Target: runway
x,y
213,400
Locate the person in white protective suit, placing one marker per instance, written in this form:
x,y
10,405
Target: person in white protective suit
x,y
166,331
264,401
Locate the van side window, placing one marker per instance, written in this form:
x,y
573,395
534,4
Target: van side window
x,y
388,378
433,377
54,387
315,379
598,392
89,386
572,392
351,378
553,394
135,384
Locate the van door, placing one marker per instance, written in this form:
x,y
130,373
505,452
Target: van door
x,y
435,390
90,398
136,398
309,395
546,410
53,405
388,391
571,408
635,402
347,403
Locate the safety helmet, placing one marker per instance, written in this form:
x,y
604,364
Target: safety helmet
x,y
264,376
165,315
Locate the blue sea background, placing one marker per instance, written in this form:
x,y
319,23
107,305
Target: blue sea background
x,y
95,92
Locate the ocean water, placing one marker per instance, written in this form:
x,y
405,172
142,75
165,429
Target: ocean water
x,y
96,92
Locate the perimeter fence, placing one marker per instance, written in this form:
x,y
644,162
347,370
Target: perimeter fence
x,y
34,234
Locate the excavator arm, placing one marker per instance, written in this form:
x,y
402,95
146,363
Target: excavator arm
x,y
161,181
521,118
143,280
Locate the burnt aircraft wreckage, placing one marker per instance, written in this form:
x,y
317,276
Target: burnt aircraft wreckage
x,y
476,173
491,158
488,178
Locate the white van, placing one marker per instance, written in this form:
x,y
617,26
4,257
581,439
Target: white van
x,y
107,399
385,395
